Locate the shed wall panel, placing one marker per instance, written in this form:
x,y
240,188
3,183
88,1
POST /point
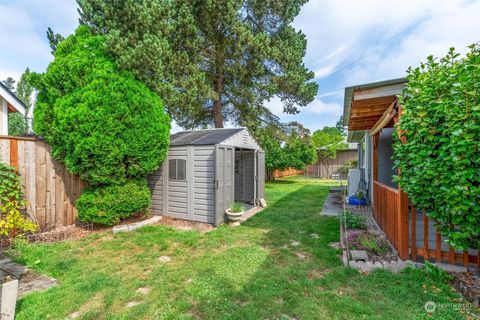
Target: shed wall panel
x,y
177,195
204,183
155,183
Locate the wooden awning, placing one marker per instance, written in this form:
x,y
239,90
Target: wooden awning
x,y
368,105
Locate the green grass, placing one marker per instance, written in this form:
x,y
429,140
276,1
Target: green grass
x,y
247,272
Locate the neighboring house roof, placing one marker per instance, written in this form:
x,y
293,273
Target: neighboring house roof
x,y
203,136
14,103
364,96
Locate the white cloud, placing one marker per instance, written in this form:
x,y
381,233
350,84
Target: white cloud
x,y
320,107
316,107
373,40
23,26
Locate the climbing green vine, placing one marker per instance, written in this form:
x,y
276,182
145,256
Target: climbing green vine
x,y
439,160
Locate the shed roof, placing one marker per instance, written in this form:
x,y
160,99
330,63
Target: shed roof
x,y
203,137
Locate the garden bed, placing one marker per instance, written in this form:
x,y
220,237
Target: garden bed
x,y
468,284
374,244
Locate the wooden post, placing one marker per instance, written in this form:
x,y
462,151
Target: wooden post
x,y
375,156
402,223
14,153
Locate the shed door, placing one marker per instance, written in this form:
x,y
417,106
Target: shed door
x,y
260,174
224,187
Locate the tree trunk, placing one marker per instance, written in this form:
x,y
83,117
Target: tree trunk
x,y
217,104
217,114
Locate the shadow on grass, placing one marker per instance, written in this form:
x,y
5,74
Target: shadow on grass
x,y
295,255
292,273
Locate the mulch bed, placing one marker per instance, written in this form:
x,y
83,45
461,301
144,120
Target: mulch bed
x,y
185,225
468,285
72,232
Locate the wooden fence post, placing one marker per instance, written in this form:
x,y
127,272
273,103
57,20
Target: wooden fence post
x,y
14,153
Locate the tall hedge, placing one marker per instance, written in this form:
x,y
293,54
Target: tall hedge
x,y
101,122
440,159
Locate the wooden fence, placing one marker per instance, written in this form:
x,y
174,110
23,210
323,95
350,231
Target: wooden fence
x,y
324,168
385,211
49,189
285,173
411,232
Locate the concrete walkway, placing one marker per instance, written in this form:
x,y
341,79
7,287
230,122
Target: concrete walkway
x,y
29,281
332,206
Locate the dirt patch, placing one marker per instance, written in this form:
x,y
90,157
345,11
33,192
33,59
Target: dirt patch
x,y
317,274
468,285
72,232
185,225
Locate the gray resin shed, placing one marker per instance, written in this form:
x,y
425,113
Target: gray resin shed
x,y
205,172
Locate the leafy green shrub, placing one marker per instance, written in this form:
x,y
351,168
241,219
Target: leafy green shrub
x,y
440,159
109,205
13,220
102,123
354,221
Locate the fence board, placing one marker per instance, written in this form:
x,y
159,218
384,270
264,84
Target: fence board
x,y
49,189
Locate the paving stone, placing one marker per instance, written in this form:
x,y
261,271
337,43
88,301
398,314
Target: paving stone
x,y
295,243
235,224
314,236
143,290
365,266
164,259
300,255
74,315
14,269
394,266
29,281
359,255
335,245
136,225
131,304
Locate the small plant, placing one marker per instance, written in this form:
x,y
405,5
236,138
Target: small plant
x,y
354,221
237,207
360,194
13,220
373,243
436,272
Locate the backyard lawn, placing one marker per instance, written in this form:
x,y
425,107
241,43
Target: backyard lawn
x,y
277,265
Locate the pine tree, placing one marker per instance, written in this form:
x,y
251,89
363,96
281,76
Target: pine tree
x,y
10,84
210,61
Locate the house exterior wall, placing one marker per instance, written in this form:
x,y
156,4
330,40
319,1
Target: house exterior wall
x,y
3,117
385,162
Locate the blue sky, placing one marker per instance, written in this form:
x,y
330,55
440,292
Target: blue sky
x,y
349,42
